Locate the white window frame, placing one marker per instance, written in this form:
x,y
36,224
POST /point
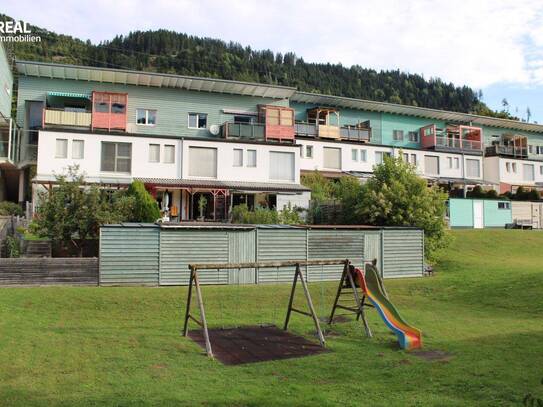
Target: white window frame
x,y
456,163
149,157
173,155
249,152
117,157
234,152
197,120
354,154
147,117
397,135
74,142
414,139
57,155
309,151
363,155
414,159
450,162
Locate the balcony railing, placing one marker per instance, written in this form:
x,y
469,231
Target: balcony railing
x,y
458,144
511,151
344,133
354,134
246,131
305,129
59,117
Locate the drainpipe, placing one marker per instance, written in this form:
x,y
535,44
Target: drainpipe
x,y
9,138
464,172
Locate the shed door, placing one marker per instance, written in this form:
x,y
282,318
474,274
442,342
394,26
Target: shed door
x,y
536,215
478,221
241,249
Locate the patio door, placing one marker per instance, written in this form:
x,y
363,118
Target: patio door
x,y
478,219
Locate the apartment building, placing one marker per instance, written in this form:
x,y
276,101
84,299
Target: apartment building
x,y
235,142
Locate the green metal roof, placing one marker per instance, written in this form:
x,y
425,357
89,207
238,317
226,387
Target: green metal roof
x,y
153,79
422,112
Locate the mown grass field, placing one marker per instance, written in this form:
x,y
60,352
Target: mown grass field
x,y
121,346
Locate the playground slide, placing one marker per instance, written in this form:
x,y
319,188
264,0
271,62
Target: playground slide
x,y
369,281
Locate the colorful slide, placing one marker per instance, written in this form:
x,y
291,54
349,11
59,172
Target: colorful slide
x,y
369,281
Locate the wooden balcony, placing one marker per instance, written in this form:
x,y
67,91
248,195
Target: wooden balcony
x,y
59,117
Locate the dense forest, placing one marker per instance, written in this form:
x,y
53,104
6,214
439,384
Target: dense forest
x,y
171,52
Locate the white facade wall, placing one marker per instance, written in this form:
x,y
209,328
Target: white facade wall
x,y
48,165
316,162
511,171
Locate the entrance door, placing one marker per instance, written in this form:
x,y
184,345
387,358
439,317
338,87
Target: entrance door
x,y
478,221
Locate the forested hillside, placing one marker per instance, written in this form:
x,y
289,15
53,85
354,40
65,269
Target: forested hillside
x,y
171,52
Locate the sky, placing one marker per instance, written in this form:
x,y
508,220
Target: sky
x,y
492,45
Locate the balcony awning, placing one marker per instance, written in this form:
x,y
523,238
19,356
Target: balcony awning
x,y
69,95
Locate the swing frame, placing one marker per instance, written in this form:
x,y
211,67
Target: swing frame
x,y
298,275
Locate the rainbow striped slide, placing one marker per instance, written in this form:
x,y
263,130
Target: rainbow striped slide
x,y
370,283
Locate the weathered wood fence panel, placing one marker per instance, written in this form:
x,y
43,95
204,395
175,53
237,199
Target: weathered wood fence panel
x,y
49,271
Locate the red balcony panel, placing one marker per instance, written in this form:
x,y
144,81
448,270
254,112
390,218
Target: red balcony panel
x,y
279,132
109,110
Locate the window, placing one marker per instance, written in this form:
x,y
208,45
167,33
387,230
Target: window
x,y
508,167
154,153
530,149
354,154
456,163
449,162
332,158
116,157
281,166
405,157
397,135
308,151
61,149
380,156
504,205
431,164
251,158
514,167
238,157
286,116
78,149
414,159
363,156
528,172
473,168
169,154
203,162
146,117
541,170
413,136
243,119
197,120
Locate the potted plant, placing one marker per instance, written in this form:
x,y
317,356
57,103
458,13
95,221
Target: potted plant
x,y
202,203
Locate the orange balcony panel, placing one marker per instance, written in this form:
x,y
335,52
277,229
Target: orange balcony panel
x,y
109,110
279,132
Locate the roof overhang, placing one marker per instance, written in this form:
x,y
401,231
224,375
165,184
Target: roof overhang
x,y
422,112
231,185
151,79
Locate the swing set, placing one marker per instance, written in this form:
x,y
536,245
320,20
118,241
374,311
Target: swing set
x,y
347,282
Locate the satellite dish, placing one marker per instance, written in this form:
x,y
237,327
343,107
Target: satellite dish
x,y
214,129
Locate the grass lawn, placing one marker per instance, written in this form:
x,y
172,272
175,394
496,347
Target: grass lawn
x,y
121,345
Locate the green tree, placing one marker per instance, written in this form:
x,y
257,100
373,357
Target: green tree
x,y
145,207
321,188
348,190
72,211
396,196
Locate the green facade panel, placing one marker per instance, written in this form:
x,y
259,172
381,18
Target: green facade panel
x,y
172,105
461,213
6,83
494,216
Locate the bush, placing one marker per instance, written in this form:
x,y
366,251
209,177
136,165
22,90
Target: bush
x,y
396,196
12,246
145,207
523,194
321,188
261,216
10,209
